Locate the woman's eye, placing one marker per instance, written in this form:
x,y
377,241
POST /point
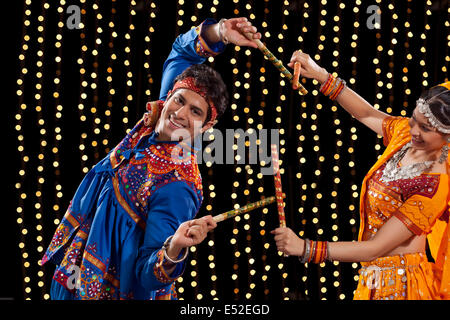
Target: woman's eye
x,y
425,129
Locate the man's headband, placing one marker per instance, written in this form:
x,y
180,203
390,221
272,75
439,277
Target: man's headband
x,y
189,83
424,108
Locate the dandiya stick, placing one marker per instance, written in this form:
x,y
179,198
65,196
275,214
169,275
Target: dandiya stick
x,y
278,189
277,63
249,207
295,81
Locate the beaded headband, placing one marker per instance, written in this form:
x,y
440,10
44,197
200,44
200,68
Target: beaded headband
x,y
424,108
189,83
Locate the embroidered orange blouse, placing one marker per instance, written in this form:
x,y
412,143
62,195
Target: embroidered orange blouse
x,y
421,203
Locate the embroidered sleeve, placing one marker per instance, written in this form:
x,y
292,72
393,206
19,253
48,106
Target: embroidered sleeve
x,y
202,47
421,210
392,126
169,206
188,49
159,270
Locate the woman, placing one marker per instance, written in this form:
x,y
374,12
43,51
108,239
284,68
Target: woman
x,y
404,198
128,228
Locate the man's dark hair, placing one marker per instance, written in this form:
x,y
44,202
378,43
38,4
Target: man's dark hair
x,y
209,80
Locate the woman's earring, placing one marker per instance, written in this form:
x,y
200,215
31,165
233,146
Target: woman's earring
x,y
444,153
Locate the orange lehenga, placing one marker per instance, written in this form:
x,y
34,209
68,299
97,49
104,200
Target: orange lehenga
x,y
422,204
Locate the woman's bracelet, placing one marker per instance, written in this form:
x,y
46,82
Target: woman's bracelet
x,y
315,252
306,251
332,87
165,247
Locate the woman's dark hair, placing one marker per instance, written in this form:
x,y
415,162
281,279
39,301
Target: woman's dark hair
x,y
438,98
211,82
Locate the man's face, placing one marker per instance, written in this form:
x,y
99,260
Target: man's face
x,y
183,116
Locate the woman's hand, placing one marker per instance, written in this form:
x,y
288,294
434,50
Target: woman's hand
x,y
288,242
308,67
190,233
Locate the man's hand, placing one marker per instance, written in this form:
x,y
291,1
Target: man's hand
x,y
190,233
232,31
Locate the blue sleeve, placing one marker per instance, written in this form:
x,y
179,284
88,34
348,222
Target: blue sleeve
x,y
188,49
170,206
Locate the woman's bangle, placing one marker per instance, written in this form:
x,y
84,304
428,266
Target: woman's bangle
x,y
315,252
221,36
306,251
332,87
165,247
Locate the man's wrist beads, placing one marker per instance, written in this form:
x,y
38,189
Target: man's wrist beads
x,y
315,252
332,87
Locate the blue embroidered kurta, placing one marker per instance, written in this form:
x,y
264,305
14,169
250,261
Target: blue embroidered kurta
x,y
108,245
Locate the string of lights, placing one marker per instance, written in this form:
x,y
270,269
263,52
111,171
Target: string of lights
x,y
83,94
300,141
263,272
109,78
313,272
58,132
284,89
247,180
210,283
22,203
235,95
352,207
407,58
93,80
390,74
147,51
43,145
423,48
444,68
333,206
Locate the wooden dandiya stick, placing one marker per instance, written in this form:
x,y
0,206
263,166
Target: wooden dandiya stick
x,y
249,207
278,189
295,81
277,63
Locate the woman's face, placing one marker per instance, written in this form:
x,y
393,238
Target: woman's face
x,y
182,116
423,135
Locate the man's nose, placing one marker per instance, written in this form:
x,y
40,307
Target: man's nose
x,y
181,113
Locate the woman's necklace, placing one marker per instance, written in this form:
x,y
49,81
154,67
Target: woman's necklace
x,y
393,172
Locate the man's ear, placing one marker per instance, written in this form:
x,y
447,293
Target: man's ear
x,y
208,126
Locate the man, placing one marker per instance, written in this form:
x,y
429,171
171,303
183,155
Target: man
x,y
127,230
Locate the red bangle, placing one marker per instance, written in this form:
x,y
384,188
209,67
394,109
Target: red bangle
x,y
338,91
313,251
318,252
331,86
327,83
